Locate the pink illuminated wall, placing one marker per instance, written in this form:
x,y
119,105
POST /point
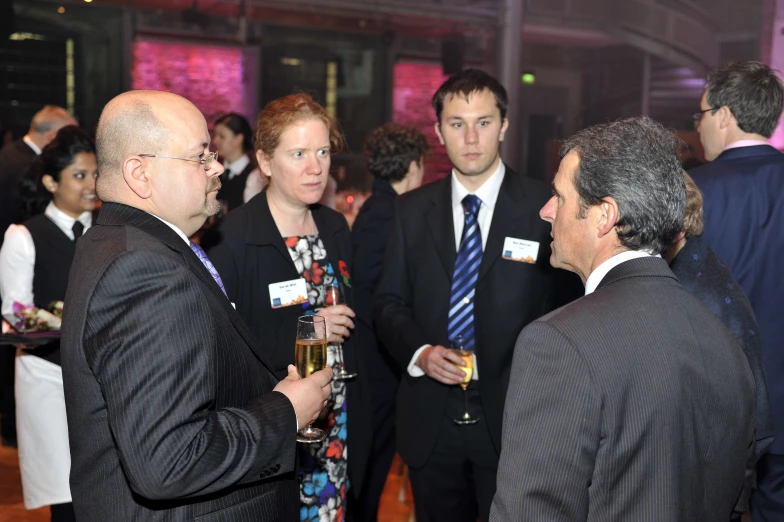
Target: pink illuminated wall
x,y
414,86
211,77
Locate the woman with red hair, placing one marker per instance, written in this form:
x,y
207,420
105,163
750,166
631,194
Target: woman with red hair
x,y
285,238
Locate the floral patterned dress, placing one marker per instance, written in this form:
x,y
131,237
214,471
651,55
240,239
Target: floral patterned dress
x,y
323,467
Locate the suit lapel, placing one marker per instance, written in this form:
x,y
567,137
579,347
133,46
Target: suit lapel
x,y
441,225
262,230
510,208
122,215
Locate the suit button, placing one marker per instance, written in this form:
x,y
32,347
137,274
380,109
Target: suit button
x,y
276,468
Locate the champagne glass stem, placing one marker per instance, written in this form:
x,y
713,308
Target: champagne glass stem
x,y
465,401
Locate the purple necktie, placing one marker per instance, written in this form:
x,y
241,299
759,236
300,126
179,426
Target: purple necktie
x,y
202,255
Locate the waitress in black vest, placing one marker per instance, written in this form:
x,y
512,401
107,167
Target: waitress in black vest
x,y
241,179
56,198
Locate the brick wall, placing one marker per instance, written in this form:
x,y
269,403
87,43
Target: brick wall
x,y
414,85
209,76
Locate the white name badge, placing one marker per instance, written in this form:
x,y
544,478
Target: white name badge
x,y
288,293
520,250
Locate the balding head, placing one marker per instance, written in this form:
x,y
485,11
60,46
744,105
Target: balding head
x,y
46,123
149,145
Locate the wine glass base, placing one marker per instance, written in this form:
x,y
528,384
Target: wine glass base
x,y
343,375
466,420
311,436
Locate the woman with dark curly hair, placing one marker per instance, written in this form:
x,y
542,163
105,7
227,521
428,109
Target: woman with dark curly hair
x,y
56,199
395,157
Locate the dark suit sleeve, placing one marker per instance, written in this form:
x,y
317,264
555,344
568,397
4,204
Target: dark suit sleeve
x,y
155,363
369,238
551,431
392,310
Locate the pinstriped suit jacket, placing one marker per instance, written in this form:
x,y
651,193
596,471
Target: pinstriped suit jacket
x,y
634,403
169,404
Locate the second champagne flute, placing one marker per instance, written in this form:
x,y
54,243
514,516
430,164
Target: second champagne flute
x,y
310,356
334,297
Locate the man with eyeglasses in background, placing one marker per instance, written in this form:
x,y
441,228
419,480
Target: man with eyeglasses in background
x,y
173,412
743,191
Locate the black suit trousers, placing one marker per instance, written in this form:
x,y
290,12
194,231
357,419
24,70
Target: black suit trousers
x,y
457,483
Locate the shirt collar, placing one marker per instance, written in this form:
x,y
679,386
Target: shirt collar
x,y
64,221
177,230
487,193
237,166
746,143
32,145
600,271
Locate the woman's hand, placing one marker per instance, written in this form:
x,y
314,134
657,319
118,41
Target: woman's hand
x,y
339,323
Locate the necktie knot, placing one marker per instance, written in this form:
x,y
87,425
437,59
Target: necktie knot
x,y
471,204
78,229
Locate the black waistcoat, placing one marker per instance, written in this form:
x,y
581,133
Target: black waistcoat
x,y
232,189
54,252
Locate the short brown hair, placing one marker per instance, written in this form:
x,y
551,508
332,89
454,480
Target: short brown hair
x,y
279,115
468,82
693,225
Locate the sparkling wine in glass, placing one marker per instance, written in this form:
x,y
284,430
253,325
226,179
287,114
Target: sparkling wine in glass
x,y
310,356
334,297
468,357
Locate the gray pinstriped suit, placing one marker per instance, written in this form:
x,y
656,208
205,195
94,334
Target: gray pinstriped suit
x,y
634,403
169,408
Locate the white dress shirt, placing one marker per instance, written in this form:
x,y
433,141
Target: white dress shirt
x,y
236,167
32,145
255,182
488,195
600,271
17,257
177,230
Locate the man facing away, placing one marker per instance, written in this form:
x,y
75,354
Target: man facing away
x,y
702,273
743,189
173,413
633,402
467,258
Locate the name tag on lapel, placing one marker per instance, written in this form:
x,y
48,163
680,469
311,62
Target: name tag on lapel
x,y
288,293
520,250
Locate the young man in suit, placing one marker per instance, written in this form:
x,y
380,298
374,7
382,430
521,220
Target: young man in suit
x,y
633,402
173,412
744,218
14,160
453,268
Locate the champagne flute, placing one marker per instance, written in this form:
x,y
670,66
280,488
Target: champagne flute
x,y
467,355
310,356
333,297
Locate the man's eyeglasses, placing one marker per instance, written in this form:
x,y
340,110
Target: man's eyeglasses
x,y
697,116
207,161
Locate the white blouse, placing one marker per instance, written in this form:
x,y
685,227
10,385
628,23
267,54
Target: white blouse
x,y
17,257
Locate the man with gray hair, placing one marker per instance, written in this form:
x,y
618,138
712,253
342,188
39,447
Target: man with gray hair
x,y
173,411
633,402
743,187
14,159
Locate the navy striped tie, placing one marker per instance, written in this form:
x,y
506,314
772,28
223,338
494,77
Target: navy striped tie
x,y
469,257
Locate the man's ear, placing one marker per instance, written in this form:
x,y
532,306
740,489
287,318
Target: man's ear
x,y
504,126
725,116
135,175
437,127
608,217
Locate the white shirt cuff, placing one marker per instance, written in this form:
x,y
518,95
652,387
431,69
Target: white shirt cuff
x,y
413,369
